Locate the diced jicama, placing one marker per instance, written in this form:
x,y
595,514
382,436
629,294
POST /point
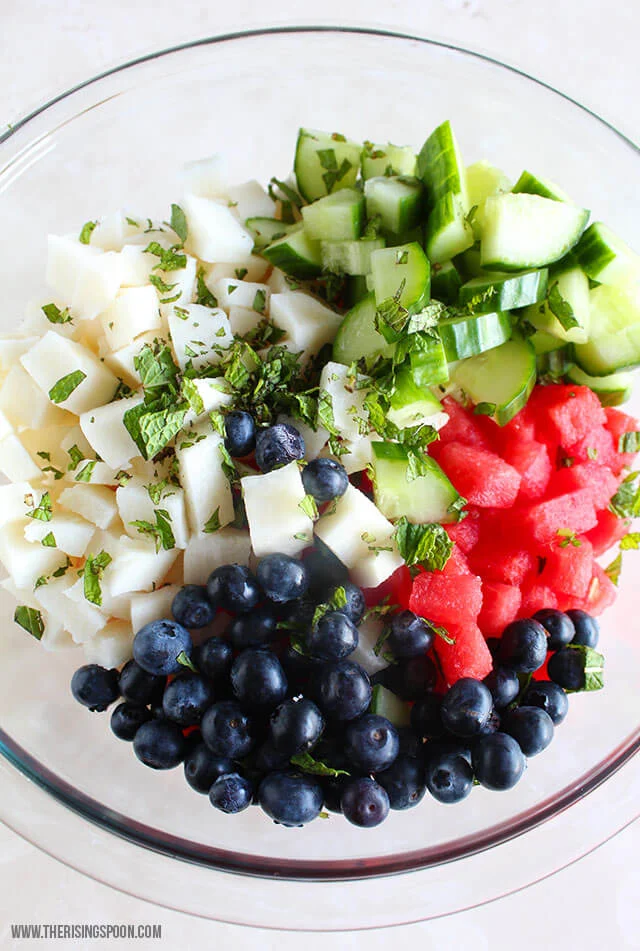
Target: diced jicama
x,y
134,311
152,605
69,374
243,319
15,462
135,505
16,499
54,636
277,520
43,445
250,200
136,265
369,632
67,533
12,348
122,361
198,334
231,292
215,234
347,403
204,553
96,503
113,231
358,456
25,404
118,606
25,562
106,433
183,287
251,268
112,646
207,177
314,439
281,283
207,489
86,278
80,617
75,446
206,396
136,566
94,472
309,324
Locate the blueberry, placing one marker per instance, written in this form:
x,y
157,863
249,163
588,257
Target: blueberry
x,y
504,686
498,761
587,628
426,718
404,781
297,615
258,680
159,744
531,727
566,668
282,578
233,588
355,606
157,646
268,759
289,798
296,726
324,570
213,658
227,730
343,690
278,445
252,630
558,625
333,786
126,718
191,607
410,679
202,767
186,698
493,643
550,697
231,793
371,743
466,707
325,479
298,667
365,802
408,635
493,724
448,775
240,432
410,743
95,687
139,686
524,646
333,637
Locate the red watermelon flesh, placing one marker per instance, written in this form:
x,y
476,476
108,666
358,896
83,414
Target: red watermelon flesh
x,y
462,426
598,481
569,414
619,423
568,569
602,592
595,446
446,599
500,605
574,511
468,657
535,597
482,477
495,562
465,534
531,459
607,532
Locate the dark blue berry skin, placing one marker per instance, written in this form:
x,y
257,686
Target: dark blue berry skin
x,y
298,667
282,578
504,686
364,802
586,627
213,658
268,759
523,646
159,744
410,744
408,635
498,761
258,680
448,775
139,686
95,687
410,679
493,724
227,730
333,786
289,798
233,588
202,767
342,689
277,446
240,430
325,479
191,607
186,698
549,697
404,782
333,637
231,793
126,718
371,743
531,727
493,643
558,626
466,707
296,726
566,668
324,570
426,719
157,646
356,605
252,630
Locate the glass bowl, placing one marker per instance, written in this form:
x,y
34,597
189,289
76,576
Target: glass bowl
x,y
119,140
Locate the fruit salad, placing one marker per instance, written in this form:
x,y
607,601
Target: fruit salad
x,y
322,480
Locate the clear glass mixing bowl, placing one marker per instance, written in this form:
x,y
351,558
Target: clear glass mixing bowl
x,y
119,140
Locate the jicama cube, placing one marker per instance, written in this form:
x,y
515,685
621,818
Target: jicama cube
x,y
35,322
118,606
152,605
136,265
54,636
84,277
204,553
106,433
215,234
136,566
207,177
96,503
251,268
122,361
183,287
12,348
113,231
206,396
277,521
197,332
314,439
94,472
16,499
135,505
205,483
81,618
281,283
25,562
70,533
69,374
243,319
110,647
134,311
15,462
250,200
308,323
24,403
350,415
232,292
358,455
369,632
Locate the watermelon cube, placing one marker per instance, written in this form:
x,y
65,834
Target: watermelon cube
x,y
468,657
602,592
462,426
521,429
482,477
465,534
596,480
568,413
531,459
568,569
608,530
596,446
457,563
500,605
494,561
535,597
573,510
617,424
446,599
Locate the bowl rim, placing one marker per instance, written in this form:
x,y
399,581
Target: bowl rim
x,y
323,870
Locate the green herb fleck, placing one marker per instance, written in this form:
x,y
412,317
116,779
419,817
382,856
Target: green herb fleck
x,y
309,507
629,442
626,502
561,308
314,767
179,222
87,230
65,386
160,532
259,301
614,568
42,511
30,620
76,456
84,475
427,545
568,537
185,661
170,259
213,523
49,540
56,316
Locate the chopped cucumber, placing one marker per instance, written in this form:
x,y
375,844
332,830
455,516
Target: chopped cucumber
x,y
413,405
445,282
440,166
566,312
387,160
468,263
355,290
428,362
396,201
325,162
427,498
295,254
337,217
349,257
529,184
384,703
521,231
483,180
614,341
543,342
266,230
403,273
406,237
499,381
448,231
504,291
554,363
605,258
357,336
467,336
611,390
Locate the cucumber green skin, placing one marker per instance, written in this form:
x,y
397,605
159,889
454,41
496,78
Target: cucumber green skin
x,y
295,255
398,203
307,167
504,292
493,366
266,230
611,390
448,233
556,363
396,160
543,342
595,253
438,164
530,184
467,336
445,282
357,336
429,498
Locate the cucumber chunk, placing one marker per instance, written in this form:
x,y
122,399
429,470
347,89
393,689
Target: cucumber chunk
x,y
543,342
337,217
606,258
413,405
325,162
504,291
483,180
387,160
445,282
555,363
266,230
521,231
530,184
427,498
357,336
614,341
403,272
467,336
355,290
569,323
295,254
440,166
428,362
384,703
499,381
396,201
611,390
448,231
349,257
468,263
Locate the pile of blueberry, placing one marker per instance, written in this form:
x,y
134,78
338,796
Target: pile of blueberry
x,y
274,712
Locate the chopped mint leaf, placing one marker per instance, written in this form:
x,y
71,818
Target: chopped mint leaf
x,y
259,301
87,230
290,193
629,442
402,256
181,313
337,600
76,456
593,665
485,409
179,222
84,475
158,490
561,308
56,316
191,394
185,661
428,545
391,317
370,541
626,502
169,259
132,222
43,510
309,507
213,523
228,465
122,477
44,455
155,368
49,540
161,285
614,568
314,767
427,318
92,573
65,386
241,273
30,620
217,422
203,294
57,474
160,532
568,537
630,541
333,174
231,288
592,453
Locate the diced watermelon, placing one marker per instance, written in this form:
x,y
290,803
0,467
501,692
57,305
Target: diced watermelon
x,y
574,511
465,534
596,480
531,459
619,423
521,429
602,592
397,589
535,597
446,599
494,561
480,476
468,657
457,564
500,605
596,445
569,569
462,426
567,413
607,532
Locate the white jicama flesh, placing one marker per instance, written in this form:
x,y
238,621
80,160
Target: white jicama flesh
x,y
369,632
207,489
215,234
136,266
16,499
350,415
243,320
250,200
135,505
106,433
207,177
24,403
134,311
12,348
277,521
232,292
204,553
69,374
308,323
122,362
137,566
86,278
15,462
182,284
113,231
25,561
70,533
197,332
206,396
251,268
152,606
112,646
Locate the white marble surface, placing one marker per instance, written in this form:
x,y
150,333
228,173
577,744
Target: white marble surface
x,y
578,46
